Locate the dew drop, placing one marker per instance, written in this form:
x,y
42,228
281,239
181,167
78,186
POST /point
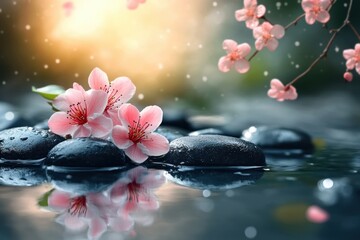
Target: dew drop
x,y
297,43
337,49
23,138
141,96
9,116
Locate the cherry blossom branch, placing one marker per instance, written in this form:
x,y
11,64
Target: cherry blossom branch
x,y
354,30
253,55
293,23
327,47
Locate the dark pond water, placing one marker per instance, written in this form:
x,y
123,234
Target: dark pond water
x,y
141,203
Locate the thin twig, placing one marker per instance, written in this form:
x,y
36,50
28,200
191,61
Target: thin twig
x,y
293,23
354,30
252,56
327,47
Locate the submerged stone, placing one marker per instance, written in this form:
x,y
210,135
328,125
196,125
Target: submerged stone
x,y
213,151
86,153
213,179
84,181
207,131
22,176
171,133
285,141
26,143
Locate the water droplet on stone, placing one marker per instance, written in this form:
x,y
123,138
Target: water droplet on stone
x,y
23,138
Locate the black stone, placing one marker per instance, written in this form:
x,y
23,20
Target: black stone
x,y
86,153
26,143
213,179
22,176
84,181
171,133
207,131
176,118
213,151
280,140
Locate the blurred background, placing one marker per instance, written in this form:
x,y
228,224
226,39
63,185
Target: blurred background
x,y
169,48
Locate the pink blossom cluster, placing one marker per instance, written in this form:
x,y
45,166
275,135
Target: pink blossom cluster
x,y
129,201
267,35
133,4
352,57
102,112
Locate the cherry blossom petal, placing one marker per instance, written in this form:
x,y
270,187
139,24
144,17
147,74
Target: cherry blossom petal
x,y
63,101
272,93
307,5
257,32
348,76
125,88
242,66
350,64
120,137
252,23
82,131
272,44
78,87
324,4
151,115
225,64
250,3
74,222
97,227
357,48
114,116
323,17
135,154
229,45
277,84
244,49
59,200
96,101
291,94
260,11
241,15
61,125
310,18
98,79
259,44
357,67
278,31
154,145
348,53
128,113
101,126
122,224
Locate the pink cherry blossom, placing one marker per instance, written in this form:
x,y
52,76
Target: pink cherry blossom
x,y
235,56
135,191
68,7
250,13
316,10
316,214
79,212
133,4
266,36
348,76
80,114
118,91
136,134
352,57
281,92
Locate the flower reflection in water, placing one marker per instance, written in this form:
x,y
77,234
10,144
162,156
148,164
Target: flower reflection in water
x,y
130,200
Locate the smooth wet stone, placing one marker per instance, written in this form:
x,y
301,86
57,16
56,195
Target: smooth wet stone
x,y
83,182
22,176
86,153
9,117
213,150
26,143
207,131
171,133
212,179
285,141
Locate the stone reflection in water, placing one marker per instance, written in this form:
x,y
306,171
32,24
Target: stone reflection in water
x,y
217,179
118,208
283,163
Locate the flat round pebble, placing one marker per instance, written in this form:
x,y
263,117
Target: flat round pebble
x,y
86,153
26,143
280,140
213,179
213,150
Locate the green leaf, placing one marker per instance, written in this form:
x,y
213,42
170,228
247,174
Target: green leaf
x,y
49,92
43,200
